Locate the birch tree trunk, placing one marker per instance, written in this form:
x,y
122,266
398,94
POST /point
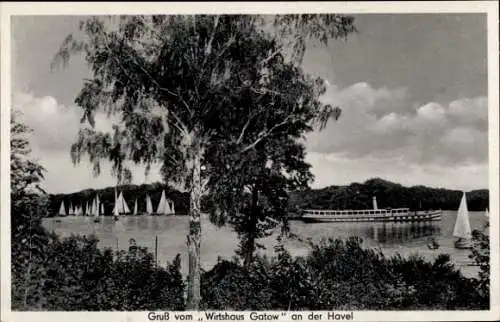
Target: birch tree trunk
x,y
194,236
249,247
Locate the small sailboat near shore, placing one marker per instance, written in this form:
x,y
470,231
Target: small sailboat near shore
x,y
462,228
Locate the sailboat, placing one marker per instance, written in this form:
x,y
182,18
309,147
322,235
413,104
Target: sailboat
x,y
95,209
135,208
120,206
71,211
172,209
149,205
115,209
486,213
163,205
62,209
462,228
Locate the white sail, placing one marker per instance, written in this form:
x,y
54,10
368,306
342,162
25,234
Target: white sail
x,y
70,210
92,207
102,210
96,206
167,210
115,209
123,204
172,209
486,213
87,209
163,206
135,207
462,225
149,205
62,209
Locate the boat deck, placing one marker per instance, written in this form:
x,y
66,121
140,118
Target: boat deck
x,y
372,215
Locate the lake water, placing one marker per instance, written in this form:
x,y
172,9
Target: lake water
x,y
391,238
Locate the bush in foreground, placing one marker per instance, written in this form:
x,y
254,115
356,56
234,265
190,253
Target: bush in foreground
x,y
340,275
73,274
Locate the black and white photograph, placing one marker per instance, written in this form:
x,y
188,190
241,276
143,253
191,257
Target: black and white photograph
x,y
334,161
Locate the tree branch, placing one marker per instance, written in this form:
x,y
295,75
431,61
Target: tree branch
x,y
240,138
264,134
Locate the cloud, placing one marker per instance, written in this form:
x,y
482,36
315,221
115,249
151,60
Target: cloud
x,y
383,124
334,169
380,134
55,128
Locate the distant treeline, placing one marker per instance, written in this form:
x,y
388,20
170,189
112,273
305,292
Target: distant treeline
x,y
354,196
389,195
130,194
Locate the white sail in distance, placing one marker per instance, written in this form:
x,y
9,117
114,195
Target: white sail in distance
x,y
149,205
115,209
121,205
70,210
62,209
486,213
96,206
462,225
163,205
135,207
172,208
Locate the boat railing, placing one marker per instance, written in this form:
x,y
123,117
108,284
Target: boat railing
x,y
357,212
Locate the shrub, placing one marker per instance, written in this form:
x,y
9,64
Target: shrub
x,y
341,275
74,274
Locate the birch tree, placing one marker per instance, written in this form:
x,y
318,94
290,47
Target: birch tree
x,y
178,85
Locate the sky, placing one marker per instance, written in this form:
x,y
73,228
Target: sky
x,y
412,89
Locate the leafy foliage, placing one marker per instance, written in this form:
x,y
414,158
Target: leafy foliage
x,y
339,275
481,256
183,86
73,274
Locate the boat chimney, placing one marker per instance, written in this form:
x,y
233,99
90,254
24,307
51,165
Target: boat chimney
x,y
374,199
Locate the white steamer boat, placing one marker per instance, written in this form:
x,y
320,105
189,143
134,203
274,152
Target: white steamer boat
x,y
370,215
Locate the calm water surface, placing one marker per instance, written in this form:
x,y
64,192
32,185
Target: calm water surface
x,y
391,238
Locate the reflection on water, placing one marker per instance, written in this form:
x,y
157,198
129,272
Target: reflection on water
x,y
397,233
